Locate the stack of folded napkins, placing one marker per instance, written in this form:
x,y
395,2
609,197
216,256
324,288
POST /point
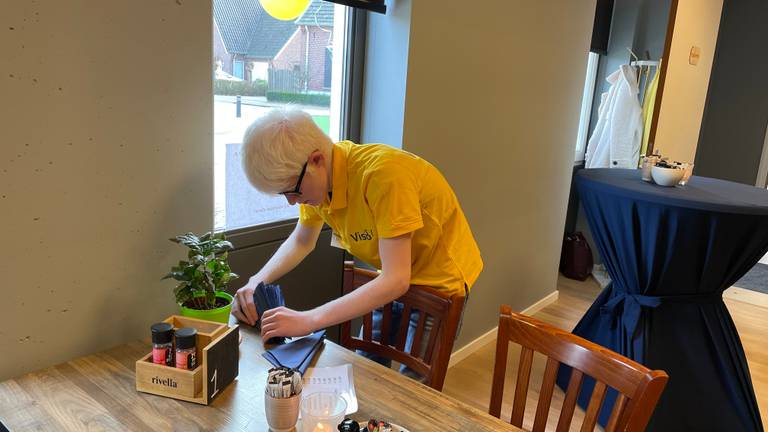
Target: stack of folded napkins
x,y
298,354
266,297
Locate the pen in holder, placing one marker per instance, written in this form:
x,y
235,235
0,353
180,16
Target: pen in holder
x,y
282,395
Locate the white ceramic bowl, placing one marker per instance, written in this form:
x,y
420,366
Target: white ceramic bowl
x,y
666,176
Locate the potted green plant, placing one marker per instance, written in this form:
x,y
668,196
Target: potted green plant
x,y
203,278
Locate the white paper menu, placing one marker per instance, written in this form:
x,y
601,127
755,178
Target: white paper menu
x,y
332,379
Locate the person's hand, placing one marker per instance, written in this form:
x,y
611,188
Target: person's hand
x,y
282,321
243,307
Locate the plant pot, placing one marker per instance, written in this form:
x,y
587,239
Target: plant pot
x,y
218,315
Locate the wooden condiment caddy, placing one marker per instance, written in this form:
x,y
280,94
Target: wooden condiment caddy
x,y
218,354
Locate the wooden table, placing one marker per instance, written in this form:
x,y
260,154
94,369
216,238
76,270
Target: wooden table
x,y
98,392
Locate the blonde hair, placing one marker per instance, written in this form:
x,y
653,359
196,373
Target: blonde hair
x,y
277,145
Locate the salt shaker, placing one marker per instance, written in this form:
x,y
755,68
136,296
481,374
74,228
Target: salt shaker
x,y
647,165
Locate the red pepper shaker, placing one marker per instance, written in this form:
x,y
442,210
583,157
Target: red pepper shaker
x,y
186,348
162,343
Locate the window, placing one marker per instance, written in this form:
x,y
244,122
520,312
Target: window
x,y
243,29
586,106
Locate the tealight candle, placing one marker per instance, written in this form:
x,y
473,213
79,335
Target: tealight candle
x,y
322,412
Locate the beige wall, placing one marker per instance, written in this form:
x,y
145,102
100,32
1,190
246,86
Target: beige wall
x,y
685,88
106,121
492,99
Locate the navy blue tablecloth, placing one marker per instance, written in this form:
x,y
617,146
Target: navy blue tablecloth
x,y
671,252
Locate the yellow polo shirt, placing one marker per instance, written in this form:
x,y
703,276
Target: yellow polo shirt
x,y
382,192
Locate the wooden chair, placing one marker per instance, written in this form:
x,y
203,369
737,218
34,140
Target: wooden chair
x,y
444,310
639,387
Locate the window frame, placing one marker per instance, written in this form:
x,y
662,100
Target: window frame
x,y
587,99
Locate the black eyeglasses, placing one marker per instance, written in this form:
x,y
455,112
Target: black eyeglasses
x,y
297,190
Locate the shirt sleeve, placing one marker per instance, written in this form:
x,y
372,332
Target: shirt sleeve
x,y
309,216
394,201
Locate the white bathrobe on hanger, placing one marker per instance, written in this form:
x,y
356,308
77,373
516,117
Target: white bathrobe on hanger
x,y
615,142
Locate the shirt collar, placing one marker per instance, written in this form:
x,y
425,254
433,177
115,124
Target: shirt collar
x,y
339,175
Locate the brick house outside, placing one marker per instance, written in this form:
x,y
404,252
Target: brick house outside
x,y
248,43
246,38
309,50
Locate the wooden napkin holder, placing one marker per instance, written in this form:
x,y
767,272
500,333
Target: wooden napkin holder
x,y
218,354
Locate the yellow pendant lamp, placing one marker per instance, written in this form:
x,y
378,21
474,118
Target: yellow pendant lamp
x,y
285,10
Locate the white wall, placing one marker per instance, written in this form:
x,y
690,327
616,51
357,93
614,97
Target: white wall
x,y
501,126
106,128
685,87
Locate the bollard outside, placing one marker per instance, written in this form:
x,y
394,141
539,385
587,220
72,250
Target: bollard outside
x,y
238,107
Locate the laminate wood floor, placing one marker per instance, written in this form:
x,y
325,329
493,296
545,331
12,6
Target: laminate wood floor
x,y
470,380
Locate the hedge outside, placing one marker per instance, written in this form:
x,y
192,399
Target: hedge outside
x,y
319,99
239,88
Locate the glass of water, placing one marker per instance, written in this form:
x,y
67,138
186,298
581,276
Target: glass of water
x,y
687,172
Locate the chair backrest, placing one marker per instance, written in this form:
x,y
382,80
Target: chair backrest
x,y
639,388
444,310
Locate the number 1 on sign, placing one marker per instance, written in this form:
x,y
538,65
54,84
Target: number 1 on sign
x,y
214,381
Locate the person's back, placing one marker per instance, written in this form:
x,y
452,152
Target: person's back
x,y
380,192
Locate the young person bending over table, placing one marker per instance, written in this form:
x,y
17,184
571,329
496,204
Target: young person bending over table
x,y
387,207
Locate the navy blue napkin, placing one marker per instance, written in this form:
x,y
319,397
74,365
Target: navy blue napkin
x,y
298,354
266,297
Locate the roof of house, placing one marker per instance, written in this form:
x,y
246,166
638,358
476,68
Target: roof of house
x,y
318,13
247,29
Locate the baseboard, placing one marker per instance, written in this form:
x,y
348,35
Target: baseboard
x,y
541,304
465,351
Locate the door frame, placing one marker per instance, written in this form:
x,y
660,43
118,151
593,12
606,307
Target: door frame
x,y
662,77
762,171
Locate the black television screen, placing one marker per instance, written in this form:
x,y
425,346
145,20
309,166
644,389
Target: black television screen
x,y
371,5
601,30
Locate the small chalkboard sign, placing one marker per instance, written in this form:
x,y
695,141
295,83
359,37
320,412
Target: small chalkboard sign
x,y
222,362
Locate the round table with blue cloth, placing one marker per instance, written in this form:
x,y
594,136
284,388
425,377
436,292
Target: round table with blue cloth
x,y
671,252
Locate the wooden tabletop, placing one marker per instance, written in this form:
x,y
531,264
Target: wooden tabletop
x,y
98,392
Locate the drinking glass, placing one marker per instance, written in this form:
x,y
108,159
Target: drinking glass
x,y
322,411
